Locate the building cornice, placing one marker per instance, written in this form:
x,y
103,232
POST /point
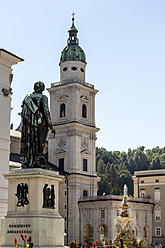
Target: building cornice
x,y
111,198
76,123
81,174
10,57
72,84
149,173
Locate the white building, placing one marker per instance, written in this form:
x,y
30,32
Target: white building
x,y
98,218
151,184
7,60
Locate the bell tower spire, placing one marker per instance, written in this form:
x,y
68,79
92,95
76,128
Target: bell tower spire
x,y
72,105
73,61
73,52
73,33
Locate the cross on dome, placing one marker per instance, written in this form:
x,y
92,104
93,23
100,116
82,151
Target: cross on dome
x,y
73,14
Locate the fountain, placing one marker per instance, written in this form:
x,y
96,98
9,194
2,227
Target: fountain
x,y
125,237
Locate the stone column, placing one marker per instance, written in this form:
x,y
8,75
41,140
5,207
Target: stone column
x,y
95,236
136,186
109,222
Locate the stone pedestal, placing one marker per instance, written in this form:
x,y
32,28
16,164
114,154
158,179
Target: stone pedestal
x,y
44,225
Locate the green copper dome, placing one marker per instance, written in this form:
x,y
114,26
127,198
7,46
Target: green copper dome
x,y
73,51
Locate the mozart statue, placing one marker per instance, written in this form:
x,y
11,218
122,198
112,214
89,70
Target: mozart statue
x,y
35,124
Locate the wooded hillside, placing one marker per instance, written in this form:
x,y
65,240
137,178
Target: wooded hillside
x,y
117,168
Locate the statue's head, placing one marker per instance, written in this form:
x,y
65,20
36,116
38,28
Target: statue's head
x,y
39,87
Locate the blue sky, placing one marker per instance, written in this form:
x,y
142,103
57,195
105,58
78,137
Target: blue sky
x,y
124,42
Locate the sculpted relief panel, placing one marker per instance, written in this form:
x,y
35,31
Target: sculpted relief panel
x,y
84,143
61,141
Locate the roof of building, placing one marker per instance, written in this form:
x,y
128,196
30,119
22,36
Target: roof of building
x,y
114,198
49,166
73,51
5,51
149,173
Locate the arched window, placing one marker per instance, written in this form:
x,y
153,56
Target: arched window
x,y
85,164
146,231
103,232
85,193
137,232
84,111
89,233
62,110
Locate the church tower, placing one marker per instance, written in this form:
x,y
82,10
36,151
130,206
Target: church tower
x,y
72,106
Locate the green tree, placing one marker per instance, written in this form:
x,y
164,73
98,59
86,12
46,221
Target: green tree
x,y
141,161
104,185
162,160
116,190
103,153
101,167
155,163
115,168
126,178
131,166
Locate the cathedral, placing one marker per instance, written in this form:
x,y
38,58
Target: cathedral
x,y
71,152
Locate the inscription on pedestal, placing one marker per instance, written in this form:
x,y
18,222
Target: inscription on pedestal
x,y
13,229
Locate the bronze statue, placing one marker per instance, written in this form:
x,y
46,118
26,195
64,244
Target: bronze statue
x,y
35,124
52,197
22,191
48,197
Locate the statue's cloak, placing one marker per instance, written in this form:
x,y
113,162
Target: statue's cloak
x,y
35,122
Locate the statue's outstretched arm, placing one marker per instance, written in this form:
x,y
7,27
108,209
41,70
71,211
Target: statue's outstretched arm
x,y
47,113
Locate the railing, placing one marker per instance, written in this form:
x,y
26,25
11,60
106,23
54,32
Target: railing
x,y
115,197
73,81
101,197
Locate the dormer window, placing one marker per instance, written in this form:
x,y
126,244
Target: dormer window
x,y
84,111
62,110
